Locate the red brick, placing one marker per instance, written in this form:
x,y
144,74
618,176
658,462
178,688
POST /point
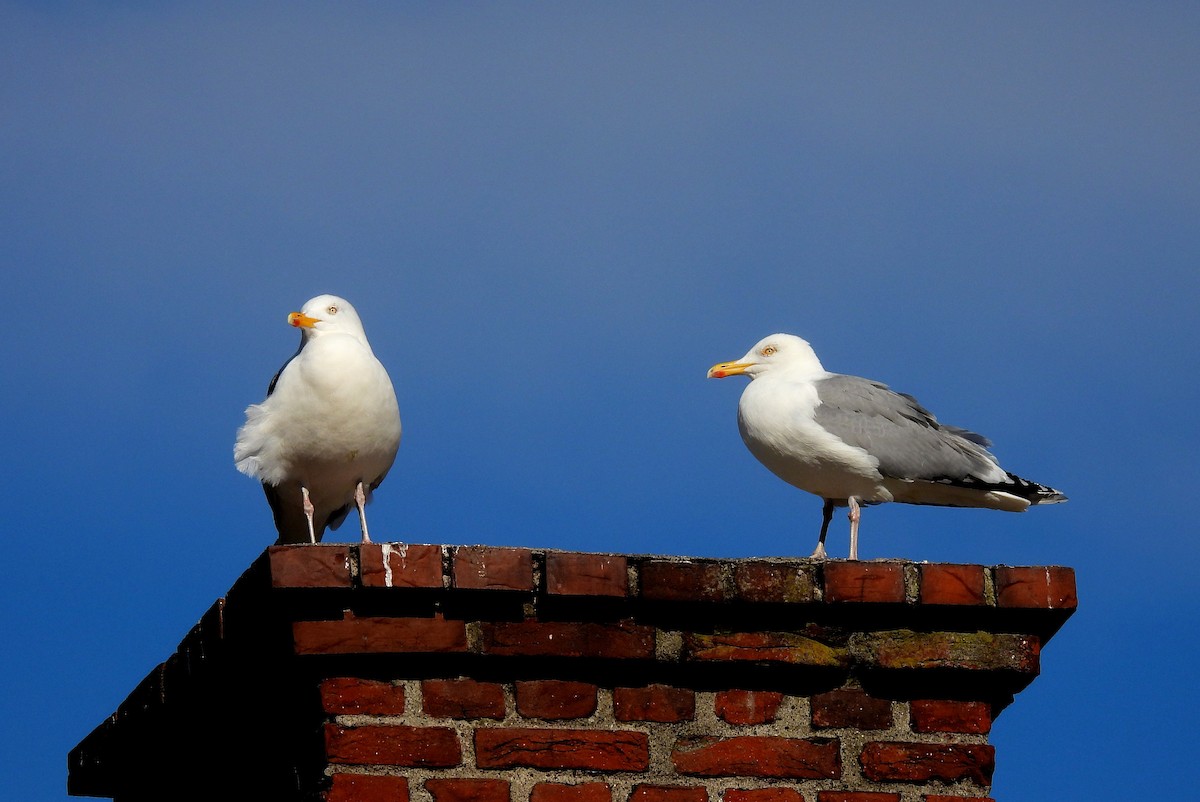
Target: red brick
x,y
945,715
589,750
747,707
367,788
856,796
467,790
389,565
764,647
571,574
856,581
660,703
558,639
758,756
562,792
436,747
851,707
967,651
789,583
763,795
943,583
555,699
489,568
1043,588
644,792
668,580
379,635
893,761
941,798
310,566
349,695
462,698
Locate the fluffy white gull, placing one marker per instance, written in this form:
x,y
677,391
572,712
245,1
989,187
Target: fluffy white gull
x,y
852,441
329,429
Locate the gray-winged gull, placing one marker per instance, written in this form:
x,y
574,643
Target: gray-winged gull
x,y
853,441
329,429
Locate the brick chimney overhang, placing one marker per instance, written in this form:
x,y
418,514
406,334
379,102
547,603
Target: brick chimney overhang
x,y
303,680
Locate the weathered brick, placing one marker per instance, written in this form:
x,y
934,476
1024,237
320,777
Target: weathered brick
x,y
856,581
308,566
563,792
670,580
967,651
204,640
944,583
559,639
943,798
350,695
197,651
644,792
555,699
764,647
459,789
389,565
660,703
857,796
551,749
896,761
462,698
435,747
850,707
366,788
491,568
946,715
763,795
172,674
146,696
747,707
571,574
773,582
1043,588
553,643
758,756
379,635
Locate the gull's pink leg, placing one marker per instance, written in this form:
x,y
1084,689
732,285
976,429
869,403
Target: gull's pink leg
x,y
855,514
360,501
308,513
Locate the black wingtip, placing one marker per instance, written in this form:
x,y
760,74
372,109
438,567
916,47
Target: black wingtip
x,y
1036,493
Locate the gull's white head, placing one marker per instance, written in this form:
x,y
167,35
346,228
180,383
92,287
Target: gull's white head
x,y
327,314
778,352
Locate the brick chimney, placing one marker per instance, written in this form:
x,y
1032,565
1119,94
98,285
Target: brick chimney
x,y
452,674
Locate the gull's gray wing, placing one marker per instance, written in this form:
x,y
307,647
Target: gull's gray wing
x,y
905,437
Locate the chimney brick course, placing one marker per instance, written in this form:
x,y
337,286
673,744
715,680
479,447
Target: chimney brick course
x,y
748,707
426,673
566,792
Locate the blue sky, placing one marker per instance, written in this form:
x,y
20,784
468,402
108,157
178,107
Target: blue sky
x,y
553,218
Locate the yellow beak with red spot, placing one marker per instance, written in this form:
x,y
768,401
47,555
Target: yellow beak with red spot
x,y
723,369
302,321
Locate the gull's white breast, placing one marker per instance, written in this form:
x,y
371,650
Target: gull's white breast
x,y
331,422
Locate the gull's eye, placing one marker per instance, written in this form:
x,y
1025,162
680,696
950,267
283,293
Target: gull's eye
x,y
768,350
332,309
